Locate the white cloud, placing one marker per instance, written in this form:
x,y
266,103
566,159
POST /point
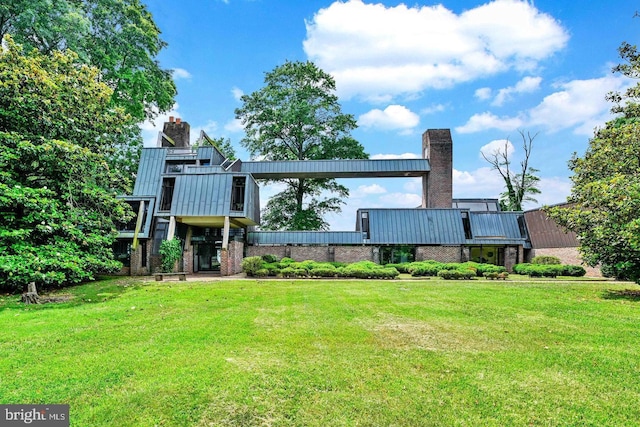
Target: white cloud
x,y
487,120
369,189
378,52
526,85
394,156
486,182
579,105
234,126
437,108
237,93
401,200
181,73
483,93
497,147
391,118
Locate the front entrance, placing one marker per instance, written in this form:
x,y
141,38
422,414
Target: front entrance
x,y
207,257
487,254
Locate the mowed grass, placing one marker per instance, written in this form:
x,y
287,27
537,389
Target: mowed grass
x,y
124,352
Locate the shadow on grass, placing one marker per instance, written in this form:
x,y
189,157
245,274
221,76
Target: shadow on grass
x,y
100,290
628,294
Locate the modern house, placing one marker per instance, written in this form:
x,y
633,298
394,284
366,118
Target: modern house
x,y
213,205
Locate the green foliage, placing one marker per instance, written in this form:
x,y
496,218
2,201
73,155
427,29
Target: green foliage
x,y
57,198
605,197
296,116
546,260
170,253
269,258
118,37
252,264
222,144
549,270
457,274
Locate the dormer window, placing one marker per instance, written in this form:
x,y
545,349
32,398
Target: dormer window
x,y
237,193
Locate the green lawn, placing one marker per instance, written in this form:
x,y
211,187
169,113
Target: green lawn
x,y
124,352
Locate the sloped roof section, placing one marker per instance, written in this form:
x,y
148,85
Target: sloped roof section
x,y
415,226
149,171
337,168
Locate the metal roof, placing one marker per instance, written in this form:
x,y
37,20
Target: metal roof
x,y
415,226
150,171
497,228
210,195
305,238
546,233
337,168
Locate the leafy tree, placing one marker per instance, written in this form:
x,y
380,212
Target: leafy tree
x,y
57,203
521,186
120,38
605,197
296,116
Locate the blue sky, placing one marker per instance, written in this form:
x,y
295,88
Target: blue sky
x,y
483,69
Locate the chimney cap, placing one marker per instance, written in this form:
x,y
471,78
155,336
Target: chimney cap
x,y
170,119
178,120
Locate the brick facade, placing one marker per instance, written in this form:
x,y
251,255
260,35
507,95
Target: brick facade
x,y
353,253
231,259
438,253
437,146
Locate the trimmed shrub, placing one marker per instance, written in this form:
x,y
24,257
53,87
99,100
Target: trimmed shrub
x,y
546,260
252,264
325,271
268,258
272,268
263,272
284,262
573,270
288,272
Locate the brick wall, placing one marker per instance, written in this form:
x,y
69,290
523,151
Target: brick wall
x,y
316,253
231,259
437,146
567,256
278,251
438,253
353,253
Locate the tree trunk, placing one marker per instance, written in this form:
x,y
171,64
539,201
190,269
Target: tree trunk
x,y
31,296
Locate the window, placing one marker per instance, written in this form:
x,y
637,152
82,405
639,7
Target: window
x,y
364,218
522,226
237,193
167,193
397,254
466,224
159,234
122,252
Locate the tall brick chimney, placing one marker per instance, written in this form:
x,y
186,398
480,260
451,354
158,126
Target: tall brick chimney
x,y
437,185
178,131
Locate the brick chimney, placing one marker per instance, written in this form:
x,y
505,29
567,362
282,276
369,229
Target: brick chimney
x,y
437,185
178,131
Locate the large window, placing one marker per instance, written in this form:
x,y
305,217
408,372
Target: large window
x,y
122,252
237,193
167,193
397,254
364,227
466,224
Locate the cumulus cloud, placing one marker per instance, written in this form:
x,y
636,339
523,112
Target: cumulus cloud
x,y
487,120
488,183
234,126
379,52
391,118
181,73
401,200
526,85
369,189
483,93
497,147
578,104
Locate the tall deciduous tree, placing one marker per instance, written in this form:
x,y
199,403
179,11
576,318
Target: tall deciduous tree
x,y
520,186
296,116
605,197
57,203
120,38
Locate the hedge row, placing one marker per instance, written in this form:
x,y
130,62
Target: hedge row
x,y
288,268
549,270
433,268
